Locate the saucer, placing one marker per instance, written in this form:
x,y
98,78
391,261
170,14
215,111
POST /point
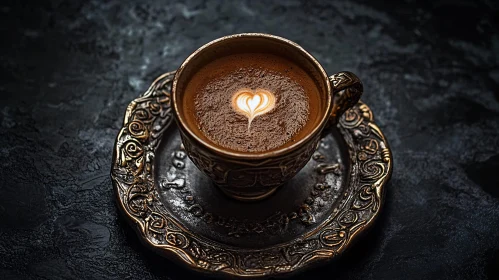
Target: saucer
x,y
180,213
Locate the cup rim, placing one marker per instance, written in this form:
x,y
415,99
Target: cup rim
x,y
260,155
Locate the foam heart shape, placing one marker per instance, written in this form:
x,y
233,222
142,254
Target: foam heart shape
x,y
253,103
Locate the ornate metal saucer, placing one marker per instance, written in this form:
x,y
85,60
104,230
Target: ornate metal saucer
x,y
178,212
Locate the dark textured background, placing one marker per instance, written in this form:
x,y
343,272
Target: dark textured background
x,y
69,69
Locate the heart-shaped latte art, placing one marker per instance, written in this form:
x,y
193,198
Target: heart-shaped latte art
x,y
253,103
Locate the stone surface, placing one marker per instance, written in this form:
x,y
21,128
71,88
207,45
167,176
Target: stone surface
x,y
69,69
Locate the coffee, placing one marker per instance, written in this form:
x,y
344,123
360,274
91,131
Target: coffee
x,y
251,102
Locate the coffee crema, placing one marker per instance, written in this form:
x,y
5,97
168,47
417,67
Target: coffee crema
x,y
251,102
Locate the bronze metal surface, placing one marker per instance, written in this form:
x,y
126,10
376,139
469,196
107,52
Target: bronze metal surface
x,y
177,212
254,176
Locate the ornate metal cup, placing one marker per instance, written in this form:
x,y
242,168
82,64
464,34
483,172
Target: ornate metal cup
x,y
255,176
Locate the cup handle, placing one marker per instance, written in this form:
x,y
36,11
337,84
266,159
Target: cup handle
x,y
347,89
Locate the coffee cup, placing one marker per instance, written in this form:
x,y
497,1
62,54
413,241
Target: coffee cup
x,y
253,174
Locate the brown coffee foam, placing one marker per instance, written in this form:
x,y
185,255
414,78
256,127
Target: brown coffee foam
x,y
208,97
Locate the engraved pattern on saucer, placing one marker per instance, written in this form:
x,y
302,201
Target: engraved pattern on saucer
x,y
157,190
